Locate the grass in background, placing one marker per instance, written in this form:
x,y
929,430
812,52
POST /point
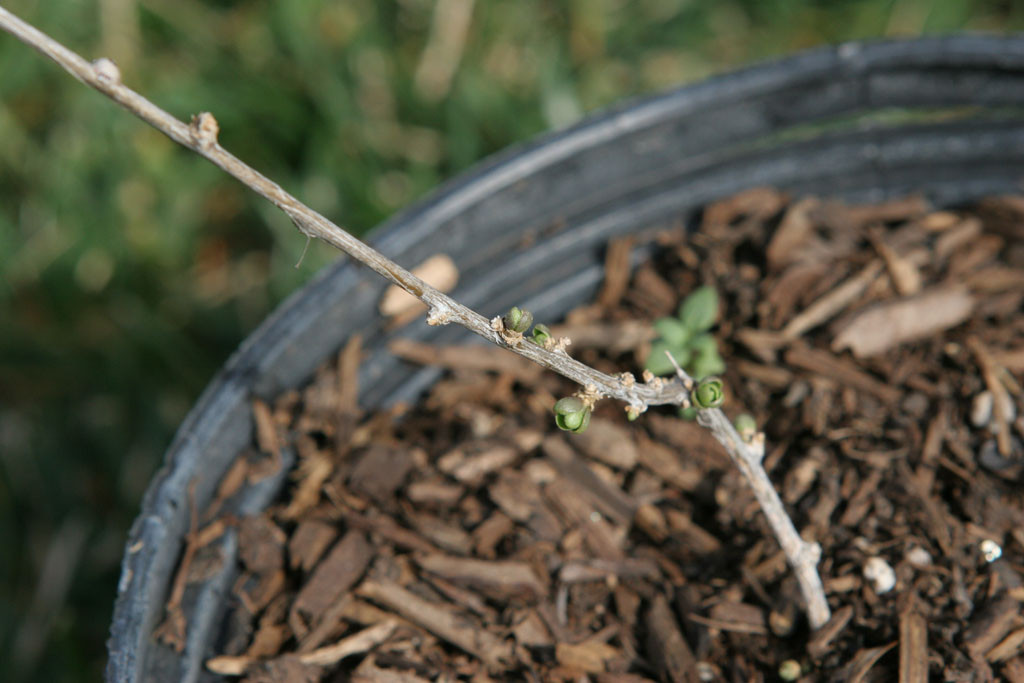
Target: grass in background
x,y
130,269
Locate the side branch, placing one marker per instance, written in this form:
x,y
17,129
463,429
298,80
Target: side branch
x,y
802,556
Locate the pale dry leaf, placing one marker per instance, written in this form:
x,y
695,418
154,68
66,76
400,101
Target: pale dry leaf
x,y
795,229
885,326
438,271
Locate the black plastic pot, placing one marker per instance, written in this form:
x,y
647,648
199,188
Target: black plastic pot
x,y
940,116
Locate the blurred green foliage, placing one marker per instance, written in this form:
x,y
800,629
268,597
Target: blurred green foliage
x,y
130,269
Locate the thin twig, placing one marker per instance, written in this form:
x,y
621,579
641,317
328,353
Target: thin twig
x,y
201,137
802,556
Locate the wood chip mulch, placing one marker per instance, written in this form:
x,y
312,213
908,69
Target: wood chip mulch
x,y
465,538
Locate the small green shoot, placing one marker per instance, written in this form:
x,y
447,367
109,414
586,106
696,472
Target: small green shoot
x,y
686,337
571,414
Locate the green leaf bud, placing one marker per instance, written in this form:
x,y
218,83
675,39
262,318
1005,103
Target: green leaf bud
x,y
541,334
700,310
518,319
709,393
568,405
745,425
689,413
571,414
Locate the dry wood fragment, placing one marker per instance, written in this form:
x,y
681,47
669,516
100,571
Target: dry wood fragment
x,y
261,543
312,470
571,503
229,485
590,656
953,239
860,666
1013,670
266,431
335,574
1008,647
790,288
347,394
608,499
905,275
616,271
664,462
821,641
885,326
269,638
284,669
516,494
441,620
357,643
439,271
328,625
995,278
1001,397
652,294
472,469
795,229
695,536
387,528
1003,215
503,581
442,532
842,371
889,211
599,570
772,376
652,522
607,442
990,625
531,631
369,672
171,631
913,645
434,492
380,471
762,202
487,535
668,649
832,303
737,617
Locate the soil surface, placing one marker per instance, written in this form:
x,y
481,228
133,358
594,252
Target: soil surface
x,y
879,348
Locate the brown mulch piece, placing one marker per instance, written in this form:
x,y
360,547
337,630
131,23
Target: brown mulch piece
x,y
880,347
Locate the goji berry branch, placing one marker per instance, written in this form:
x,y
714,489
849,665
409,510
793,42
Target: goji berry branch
x,y
201,137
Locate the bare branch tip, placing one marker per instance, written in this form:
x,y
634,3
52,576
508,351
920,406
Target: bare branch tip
x,y
106,71
204,129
